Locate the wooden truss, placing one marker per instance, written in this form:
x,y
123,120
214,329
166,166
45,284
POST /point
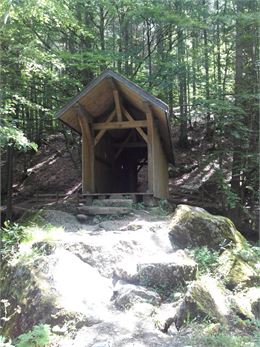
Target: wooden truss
x,y
119,118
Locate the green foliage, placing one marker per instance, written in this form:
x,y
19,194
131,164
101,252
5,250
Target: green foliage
x,y
139,206
227,339
248,253
10,135
39,336
245,334
11,236
165,207
206,259
231,198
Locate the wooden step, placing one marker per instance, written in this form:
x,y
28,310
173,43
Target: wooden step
x,y
100,210
113,202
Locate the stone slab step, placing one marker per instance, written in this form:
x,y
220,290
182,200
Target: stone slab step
x,y
100,210
113,202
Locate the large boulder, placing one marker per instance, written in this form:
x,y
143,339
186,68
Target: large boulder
x,y
167,276
54,289
127,295
205,297
195,227
236,270
163,273
212,298
247,303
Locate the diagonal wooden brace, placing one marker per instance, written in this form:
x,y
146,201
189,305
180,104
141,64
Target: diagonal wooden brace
x,y
102,132
140,130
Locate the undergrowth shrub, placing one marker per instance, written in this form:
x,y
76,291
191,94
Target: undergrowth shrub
x,y
225,339
12,234
39,336
245,335
206,259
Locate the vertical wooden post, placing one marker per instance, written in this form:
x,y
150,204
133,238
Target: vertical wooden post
x,y
150,149
116,100
88,185
117,106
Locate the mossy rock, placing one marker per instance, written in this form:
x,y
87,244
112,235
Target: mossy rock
x,y
128,295
167,276
194,227
212,298
237,270
49,290
247,303
206,297
24,288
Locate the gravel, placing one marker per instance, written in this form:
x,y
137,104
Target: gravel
x,y
62,219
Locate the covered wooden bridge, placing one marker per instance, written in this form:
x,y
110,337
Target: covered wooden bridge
x,y
124,131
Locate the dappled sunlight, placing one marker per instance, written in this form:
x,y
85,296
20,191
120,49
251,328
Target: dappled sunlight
x,y
38,233
132,218
50,160
123,280
73,189
216,293
46,233
198,177
80,287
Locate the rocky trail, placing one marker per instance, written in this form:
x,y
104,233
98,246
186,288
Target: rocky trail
x,y
92,272
129,281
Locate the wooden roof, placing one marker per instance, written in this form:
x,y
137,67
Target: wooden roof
x,y
97,98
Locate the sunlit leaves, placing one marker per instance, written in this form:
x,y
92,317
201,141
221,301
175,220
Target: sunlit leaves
x,y
12,136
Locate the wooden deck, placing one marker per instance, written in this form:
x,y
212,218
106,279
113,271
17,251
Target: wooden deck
x,y
81,198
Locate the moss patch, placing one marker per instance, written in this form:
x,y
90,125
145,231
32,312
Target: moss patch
x,y
194,227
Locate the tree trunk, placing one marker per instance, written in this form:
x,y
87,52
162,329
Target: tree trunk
x,y
218,52
183,139
206,66
9,202
245,179
148,37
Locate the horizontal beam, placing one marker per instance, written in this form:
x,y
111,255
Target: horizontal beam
x,y
115,194
121,125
